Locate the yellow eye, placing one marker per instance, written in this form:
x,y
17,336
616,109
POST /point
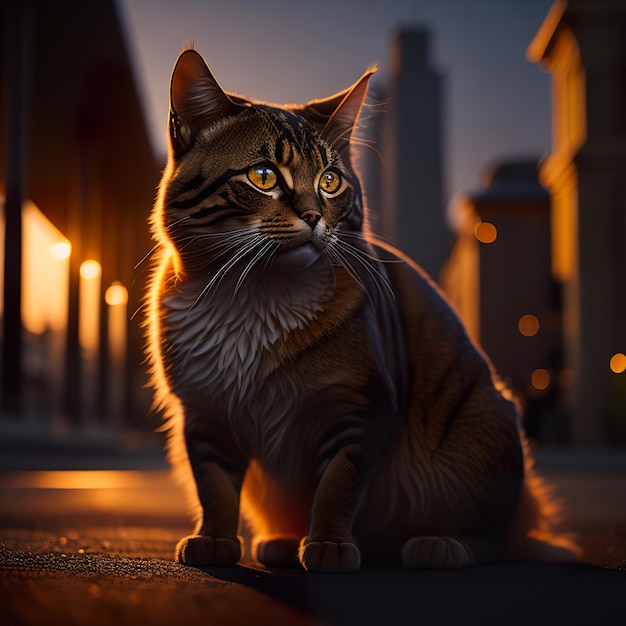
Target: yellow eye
x,y
330,182
263,177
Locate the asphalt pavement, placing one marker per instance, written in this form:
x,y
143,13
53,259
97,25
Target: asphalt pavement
x,y
81,545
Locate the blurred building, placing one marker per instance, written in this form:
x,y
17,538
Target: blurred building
x,y
541,281
77,180
404,174
583,45
499,278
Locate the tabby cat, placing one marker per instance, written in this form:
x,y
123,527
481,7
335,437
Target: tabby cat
x,y
313,377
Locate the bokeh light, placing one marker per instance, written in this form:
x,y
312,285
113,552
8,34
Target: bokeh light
x,y
90,269
618,363
540,379
61,250
485,232
116,294
528,325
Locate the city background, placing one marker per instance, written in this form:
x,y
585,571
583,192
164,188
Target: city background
x,y
498,134
496,139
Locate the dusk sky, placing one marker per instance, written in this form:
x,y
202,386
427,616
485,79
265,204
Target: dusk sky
x,y
497,104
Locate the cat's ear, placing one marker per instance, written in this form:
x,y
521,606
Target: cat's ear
x,y
336,117
196,99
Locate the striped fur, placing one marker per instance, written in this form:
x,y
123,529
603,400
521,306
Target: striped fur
x,y
313,378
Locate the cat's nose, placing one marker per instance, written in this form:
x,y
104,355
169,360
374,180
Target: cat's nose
x,y
311,217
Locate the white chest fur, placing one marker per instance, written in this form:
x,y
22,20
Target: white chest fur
x,y
222,347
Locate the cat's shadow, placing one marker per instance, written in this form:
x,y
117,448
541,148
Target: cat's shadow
x,y
518,593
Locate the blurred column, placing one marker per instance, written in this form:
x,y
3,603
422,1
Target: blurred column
x,y
89,335
583,45
116,298
61,252
77,206
17,94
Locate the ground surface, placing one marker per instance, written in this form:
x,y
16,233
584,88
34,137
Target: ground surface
x,y
95,547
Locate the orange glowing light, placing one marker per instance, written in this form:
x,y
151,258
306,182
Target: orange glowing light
x,y
89,308
77,479
61,250
116,297
90,269
485,232
116,294
528,325
540,379
44,281
618,363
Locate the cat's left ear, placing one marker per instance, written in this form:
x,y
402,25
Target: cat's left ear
x,y
196,99
336,117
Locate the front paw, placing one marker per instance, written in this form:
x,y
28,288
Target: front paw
x,y
203,550
434,553
329,556
277,551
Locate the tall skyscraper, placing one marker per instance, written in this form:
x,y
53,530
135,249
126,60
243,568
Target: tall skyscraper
x,y
405,183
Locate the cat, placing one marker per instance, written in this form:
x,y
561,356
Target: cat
x,y
312,376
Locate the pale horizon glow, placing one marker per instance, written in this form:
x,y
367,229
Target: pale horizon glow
x,y
497,103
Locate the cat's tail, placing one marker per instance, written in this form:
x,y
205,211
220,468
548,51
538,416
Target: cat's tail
x,y
536,534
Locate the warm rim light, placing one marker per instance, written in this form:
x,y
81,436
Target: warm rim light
x,y
540,379
61,250
485,232
90,269
116,294
618,363
528,325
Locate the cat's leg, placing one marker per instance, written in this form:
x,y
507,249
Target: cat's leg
x,y
218,469
278,517
330,546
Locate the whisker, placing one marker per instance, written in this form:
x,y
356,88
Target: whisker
x,y
221,236
335,255
146,257
247,248
367,144
260,254
156,246
374,273
378,279
363,238
228,241
344,136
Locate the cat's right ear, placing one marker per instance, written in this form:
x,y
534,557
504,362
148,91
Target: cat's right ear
x,y
336,117
196,100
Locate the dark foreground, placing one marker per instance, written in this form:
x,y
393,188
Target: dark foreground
x,y
91,548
